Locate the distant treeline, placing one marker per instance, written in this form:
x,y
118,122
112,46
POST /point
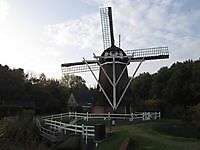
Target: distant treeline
x,y
174,91
23,91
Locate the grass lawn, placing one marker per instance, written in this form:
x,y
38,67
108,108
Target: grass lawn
x,y
2,128
153,135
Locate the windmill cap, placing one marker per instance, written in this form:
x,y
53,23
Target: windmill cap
x,y
113,50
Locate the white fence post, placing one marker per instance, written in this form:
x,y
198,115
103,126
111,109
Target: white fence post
x,y
131,119
86,135
159,115
143,115
65,131
83,130
87,116
51,120
75,129
155,115
108,115
76,115
149,116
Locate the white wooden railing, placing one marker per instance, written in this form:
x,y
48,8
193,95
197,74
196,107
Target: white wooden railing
x,y
108,116
60,126
53,125
57,128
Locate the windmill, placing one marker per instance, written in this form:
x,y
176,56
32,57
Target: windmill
x,y
113,80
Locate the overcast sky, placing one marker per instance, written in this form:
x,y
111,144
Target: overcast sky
x,y
40,35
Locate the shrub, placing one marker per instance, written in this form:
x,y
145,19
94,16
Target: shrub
x,y
152,105
195,115
178,112
22,134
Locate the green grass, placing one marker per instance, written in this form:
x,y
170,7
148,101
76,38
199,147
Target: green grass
x,y
153,135
117,138
174,128
2,128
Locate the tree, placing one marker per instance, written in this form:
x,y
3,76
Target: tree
x,y
178,86
194,115
152,105
159,83
11,83
73,81
140,87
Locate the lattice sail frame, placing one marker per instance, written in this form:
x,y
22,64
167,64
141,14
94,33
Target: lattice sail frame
x,y
78,67
107,27
148,53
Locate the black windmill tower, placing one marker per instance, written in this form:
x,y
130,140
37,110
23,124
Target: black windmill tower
x,y
113,79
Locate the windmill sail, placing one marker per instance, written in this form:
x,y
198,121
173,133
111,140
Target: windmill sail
x,y
78,67
107,27
148,53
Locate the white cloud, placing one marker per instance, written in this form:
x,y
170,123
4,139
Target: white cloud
x,y
81,32
99,2
4,9
141,24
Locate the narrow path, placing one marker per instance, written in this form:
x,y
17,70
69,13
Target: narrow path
x,y
179,142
